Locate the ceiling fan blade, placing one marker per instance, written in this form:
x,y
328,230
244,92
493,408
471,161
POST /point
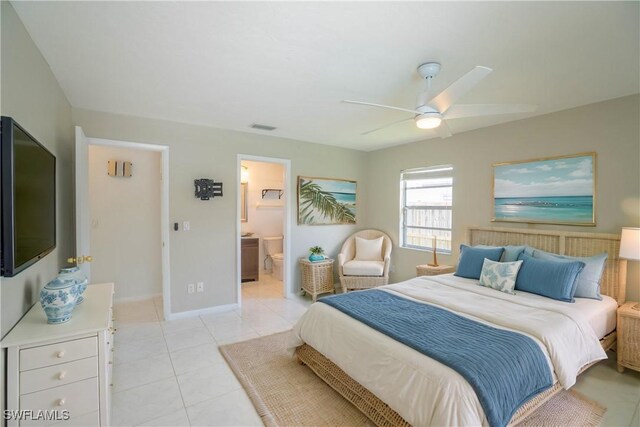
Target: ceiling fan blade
x,y
443,130
382,106
384,126
459,111
459,88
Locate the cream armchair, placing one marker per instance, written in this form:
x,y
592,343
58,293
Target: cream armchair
x,y
359,274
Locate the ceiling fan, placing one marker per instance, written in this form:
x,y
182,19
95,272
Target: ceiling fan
x,y
431,111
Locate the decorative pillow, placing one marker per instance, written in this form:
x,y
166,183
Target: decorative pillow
x,y
510,252
500,275
588,281
472,258
369,249
551,279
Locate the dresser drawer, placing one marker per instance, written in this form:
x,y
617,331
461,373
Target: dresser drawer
x,y
54,354
57,375
92,419
78,398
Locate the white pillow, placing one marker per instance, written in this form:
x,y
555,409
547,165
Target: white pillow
x,y
369,250
500,275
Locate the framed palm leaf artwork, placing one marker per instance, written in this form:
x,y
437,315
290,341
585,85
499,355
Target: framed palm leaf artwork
x,y
326,201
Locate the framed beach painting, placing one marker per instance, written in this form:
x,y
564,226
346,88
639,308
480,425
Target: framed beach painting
x,y
553,190
325,201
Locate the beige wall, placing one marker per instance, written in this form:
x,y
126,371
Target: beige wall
x,y
609,128
32,96
125,222
207,253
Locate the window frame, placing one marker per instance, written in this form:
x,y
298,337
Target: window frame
x,y
404,208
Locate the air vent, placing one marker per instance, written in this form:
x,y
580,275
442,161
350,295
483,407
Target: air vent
x,y
262,127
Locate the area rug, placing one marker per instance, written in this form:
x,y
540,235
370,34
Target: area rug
x,y
286,393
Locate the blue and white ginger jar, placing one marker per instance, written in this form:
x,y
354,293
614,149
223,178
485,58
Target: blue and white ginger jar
x,y
76,274
58,299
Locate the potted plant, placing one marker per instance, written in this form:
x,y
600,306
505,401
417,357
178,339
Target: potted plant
x,y
317,254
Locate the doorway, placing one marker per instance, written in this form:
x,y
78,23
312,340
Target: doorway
x,y
113,196
263,220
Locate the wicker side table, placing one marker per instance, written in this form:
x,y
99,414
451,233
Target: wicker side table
x,y
628,337
428,270
317,277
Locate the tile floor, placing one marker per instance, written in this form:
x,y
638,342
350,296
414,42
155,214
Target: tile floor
x,y
171,373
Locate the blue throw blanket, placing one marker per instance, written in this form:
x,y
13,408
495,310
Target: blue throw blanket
x,y
505,368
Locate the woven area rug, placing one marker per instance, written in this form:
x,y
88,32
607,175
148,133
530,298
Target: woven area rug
x,y
285,393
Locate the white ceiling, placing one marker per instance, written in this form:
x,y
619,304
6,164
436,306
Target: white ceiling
x,y
286,64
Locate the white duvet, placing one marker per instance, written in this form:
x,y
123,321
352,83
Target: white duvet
x,y
423,391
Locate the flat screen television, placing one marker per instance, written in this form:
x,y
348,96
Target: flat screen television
x,y
28,199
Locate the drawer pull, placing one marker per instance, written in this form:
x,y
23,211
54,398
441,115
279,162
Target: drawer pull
x,y
110,363
60,354
61,375
61,402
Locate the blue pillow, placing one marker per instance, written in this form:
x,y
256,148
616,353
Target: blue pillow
x,y
588,282
510,252
472,258
551,279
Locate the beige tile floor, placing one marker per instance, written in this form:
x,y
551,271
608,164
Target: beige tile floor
x,y
171,373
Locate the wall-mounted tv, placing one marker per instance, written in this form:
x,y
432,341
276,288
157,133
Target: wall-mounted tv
x,y
28,199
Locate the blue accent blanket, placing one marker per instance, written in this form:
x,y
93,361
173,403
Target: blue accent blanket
x,y
505,368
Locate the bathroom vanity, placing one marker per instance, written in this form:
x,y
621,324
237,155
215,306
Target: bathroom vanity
x,y
250,258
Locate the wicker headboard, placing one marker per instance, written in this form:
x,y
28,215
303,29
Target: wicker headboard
x,y
614,277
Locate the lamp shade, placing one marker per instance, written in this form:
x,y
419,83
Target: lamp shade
x,y
630,243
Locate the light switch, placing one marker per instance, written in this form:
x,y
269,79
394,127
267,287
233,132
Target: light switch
x,y
186,226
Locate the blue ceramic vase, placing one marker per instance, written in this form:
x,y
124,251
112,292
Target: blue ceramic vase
x,y
58,299
315,258
81,280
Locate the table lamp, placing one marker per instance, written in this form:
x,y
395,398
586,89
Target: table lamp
x,y
629,250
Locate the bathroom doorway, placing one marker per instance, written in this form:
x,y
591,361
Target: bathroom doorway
x,y
263,225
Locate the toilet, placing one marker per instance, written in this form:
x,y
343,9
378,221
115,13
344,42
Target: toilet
x,y
273,251
277,261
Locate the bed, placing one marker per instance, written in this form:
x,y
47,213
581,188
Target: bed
x,y
396,385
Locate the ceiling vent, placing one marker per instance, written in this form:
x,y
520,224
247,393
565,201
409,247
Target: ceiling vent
x,y
262,127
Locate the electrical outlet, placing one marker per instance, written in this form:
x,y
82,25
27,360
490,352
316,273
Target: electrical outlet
x,y
191,288
200,287
186,226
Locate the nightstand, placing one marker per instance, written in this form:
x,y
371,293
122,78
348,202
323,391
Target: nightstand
x,y
317,277
428,270
628,349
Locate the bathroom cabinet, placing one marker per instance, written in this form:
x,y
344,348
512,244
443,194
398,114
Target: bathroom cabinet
x,y
250,258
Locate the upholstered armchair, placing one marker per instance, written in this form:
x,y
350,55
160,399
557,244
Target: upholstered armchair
x,y
370,267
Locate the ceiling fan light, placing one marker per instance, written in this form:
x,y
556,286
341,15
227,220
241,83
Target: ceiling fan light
x,y
428,120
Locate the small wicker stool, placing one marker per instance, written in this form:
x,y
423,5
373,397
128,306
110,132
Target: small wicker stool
x,y
317,277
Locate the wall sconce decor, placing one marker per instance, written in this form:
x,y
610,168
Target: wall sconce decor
x,y
244,174
207,188
118,168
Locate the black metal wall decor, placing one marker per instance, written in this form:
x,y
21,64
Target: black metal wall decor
x,y
207,188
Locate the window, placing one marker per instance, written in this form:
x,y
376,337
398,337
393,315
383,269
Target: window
x,y
426,196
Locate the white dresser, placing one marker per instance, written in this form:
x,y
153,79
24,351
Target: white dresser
x,y
63,371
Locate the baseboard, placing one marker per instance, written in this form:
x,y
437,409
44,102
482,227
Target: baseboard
x,y
202,311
